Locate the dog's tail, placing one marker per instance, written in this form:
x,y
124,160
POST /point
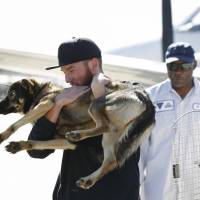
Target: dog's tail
x,y
136,131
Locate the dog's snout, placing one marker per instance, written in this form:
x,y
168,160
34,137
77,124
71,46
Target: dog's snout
x,y
6,107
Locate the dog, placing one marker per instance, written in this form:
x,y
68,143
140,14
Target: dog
x,y
124,117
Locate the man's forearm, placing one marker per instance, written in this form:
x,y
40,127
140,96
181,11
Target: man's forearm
x,y
68,96
53,114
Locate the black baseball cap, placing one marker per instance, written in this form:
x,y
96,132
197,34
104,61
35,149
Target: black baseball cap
x,y
180,51
75,50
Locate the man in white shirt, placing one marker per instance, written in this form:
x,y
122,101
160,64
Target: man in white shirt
x,y
174,97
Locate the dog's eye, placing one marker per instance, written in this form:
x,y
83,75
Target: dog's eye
x,y
11,94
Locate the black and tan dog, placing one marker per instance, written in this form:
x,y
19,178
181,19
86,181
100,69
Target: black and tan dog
x,y
125,116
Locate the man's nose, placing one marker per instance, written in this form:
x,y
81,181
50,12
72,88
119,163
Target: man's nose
x,y
179,69
68,79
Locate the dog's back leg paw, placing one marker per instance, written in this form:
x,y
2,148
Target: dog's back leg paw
x,y
14,147
73,136
85,183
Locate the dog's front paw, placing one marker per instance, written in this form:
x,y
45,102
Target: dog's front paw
x,y
73,136
85,183
7,133
4,135
14,147
1,138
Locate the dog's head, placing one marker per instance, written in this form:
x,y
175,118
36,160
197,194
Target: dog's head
x,y
19,97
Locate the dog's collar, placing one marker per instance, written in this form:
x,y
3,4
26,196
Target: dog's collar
x,y
41,93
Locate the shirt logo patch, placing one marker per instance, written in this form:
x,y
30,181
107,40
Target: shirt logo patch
x,y
165,105
196,106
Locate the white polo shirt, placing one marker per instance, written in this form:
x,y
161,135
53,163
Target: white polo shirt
x,y
156,151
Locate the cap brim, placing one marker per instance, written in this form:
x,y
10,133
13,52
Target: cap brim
x,y
179,58
54,67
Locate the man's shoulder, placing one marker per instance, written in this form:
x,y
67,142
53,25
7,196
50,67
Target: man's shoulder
x,y
159,88
196,82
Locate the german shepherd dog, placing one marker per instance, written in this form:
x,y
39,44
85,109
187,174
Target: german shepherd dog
x,y
124,116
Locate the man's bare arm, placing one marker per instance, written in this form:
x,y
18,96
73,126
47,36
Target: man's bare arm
x,y
68,96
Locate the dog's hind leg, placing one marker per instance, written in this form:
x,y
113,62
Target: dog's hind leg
x,y
14,147
96,111
109,163
40,110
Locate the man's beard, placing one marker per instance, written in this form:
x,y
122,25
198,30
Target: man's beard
x,y
88,78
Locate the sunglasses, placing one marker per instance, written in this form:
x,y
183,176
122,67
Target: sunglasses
x,y
182,66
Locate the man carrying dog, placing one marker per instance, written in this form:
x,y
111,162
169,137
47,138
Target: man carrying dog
x,y
81,62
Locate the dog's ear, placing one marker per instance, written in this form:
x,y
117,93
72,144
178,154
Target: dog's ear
x,y
27,84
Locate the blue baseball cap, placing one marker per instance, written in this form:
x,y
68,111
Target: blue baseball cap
x,y
180,51
75,50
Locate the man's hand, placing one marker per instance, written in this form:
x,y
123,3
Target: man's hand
x,y
98,84
68,96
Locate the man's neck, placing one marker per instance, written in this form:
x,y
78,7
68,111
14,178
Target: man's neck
x,y
183,91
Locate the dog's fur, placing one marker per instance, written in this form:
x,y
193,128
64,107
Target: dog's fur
x,y
125,116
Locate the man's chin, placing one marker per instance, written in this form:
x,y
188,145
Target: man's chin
x,y
88,82
178,84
